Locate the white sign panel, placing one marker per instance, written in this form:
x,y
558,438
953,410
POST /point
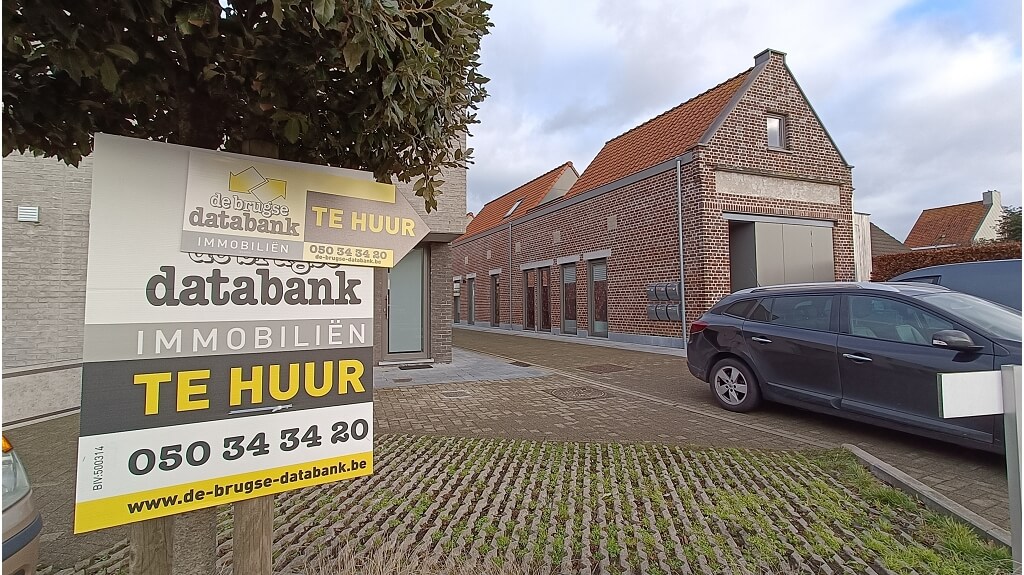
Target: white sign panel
x,y
970,393
209,379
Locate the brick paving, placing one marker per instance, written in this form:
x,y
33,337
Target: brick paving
x,y
655,399
943,467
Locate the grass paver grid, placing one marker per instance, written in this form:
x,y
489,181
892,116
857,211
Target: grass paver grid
x,y
612,508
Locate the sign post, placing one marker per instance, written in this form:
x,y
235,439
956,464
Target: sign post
x,y
241,370
991,393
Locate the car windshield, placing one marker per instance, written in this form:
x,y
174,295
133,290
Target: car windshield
x,y
999,321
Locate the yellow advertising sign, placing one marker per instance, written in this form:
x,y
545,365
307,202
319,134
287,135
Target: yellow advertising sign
x,y
241,206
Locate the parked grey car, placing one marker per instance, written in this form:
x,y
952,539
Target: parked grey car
x,y
864,351
997,280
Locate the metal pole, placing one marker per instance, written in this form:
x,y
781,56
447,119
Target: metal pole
x,y
510,280
1012,432
679,231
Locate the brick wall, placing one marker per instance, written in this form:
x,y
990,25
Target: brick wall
x,y
441,302
44,263
450,215
741,144
44,268
479,255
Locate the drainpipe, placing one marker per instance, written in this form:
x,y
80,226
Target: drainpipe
x,y
679,231
510,280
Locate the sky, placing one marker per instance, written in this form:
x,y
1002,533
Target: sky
x,y
923,98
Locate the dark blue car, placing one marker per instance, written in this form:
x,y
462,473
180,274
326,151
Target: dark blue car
x,y
865,351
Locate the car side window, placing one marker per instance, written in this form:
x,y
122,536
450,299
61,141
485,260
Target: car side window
x,y
762,311
740,309
892,320
803,311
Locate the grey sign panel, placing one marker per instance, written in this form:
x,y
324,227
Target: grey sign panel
x,y
133,341
118,394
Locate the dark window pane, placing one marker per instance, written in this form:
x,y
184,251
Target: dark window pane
x,y
740,308
892,320
545,299
762,311
807,312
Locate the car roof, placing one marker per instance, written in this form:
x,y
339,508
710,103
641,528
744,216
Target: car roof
x,y
905,288
942,267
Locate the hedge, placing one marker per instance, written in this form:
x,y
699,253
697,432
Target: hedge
x,y
891,265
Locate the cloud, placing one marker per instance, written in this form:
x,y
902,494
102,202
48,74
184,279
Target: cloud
x,y
924,98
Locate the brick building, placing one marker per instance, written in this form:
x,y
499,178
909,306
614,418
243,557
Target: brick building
x,y
44,266
743,177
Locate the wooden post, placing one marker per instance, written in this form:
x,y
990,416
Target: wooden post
x,y
254,518
150,545
195,543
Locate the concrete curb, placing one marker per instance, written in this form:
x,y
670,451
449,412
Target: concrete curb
x,y
932,499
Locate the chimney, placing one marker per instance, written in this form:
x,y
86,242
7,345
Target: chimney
x,y
767,55
992,198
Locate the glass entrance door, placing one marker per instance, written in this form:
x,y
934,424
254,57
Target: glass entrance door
x,y
598,296
529,314
495,301
545,299
407,306
569,298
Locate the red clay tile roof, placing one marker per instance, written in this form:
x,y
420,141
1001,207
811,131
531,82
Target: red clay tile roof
x,y
659,139
948,225
531,193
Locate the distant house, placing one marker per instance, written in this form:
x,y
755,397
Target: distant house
x,y
957,225
883,244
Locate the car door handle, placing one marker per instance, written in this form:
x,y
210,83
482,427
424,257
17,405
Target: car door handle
x,y
760,339
856,357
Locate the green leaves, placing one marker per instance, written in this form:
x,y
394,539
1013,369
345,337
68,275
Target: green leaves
x,y
381,85
323,11
123,52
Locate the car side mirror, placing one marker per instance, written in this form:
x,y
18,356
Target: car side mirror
x,y
954,339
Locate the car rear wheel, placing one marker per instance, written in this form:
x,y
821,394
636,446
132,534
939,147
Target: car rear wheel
x,y
734,385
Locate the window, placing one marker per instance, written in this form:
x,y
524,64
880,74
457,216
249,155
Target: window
x,y
891,320
569,298
805,311
776,132
740,309
513,208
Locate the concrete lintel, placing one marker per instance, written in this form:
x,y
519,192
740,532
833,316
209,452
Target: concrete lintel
x,y
494,272
734,217
598,254
568,260
536,264
470,276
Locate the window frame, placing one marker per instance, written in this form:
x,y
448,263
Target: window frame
x,y
783,131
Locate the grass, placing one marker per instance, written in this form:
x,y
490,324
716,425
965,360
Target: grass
x,y
441,506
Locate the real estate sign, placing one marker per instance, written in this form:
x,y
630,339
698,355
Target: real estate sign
x,y
243,206
209,379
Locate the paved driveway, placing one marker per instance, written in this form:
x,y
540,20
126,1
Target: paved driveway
x,y
974,479
584,393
